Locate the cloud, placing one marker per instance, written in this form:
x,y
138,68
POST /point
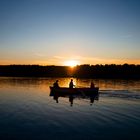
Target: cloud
x,y
96,60
60,60
39,54
126,36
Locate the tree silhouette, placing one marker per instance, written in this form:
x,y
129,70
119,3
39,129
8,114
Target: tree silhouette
x,y
81,71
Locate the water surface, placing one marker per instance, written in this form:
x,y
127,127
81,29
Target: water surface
x,y
28,112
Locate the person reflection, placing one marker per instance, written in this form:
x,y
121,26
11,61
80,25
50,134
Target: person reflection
x,y
92,98
71,100
55,97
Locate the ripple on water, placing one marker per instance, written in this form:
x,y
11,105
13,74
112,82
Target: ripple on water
x,y
28,112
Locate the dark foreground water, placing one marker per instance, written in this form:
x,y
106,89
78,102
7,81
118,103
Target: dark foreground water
x,y
28,112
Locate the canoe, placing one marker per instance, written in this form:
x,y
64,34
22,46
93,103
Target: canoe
x,y
74,91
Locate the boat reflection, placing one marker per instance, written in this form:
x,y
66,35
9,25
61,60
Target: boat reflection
x,y
71,97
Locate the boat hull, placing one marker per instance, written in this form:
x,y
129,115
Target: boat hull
x,y
74,91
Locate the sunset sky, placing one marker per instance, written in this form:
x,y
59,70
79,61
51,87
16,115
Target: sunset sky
x,y
53,32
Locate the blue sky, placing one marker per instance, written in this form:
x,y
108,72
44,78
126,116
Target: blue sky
x,y
54,31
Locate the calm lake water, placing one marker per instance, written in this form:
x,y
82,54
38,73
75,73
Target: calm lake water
x,y
28,112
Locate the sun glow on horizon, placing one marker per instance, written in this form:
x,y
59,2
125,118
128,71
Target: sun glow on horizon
x,y
71,63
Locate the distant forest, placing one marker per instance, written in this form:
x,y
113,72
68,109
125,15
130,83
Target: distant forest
x,y
81,71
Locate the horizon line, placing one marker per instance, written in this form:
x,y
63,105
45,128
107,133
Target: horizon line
x,y
63,65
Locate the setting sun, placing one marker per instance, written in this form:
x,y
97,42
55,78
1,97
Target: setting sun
x,y
71,63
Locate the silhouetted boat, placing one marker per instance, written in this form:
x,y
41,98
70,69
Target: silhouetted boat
x,y
74,91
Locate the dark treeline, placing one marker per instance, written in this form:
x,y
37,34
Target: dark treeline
x,y
81,71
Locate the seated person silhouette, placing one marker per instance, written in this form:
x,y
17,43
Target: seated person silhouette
x,y
92,85
56,85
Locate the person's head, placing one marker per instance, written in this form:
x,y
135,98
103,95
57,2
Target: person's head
x,y
71,80
56,81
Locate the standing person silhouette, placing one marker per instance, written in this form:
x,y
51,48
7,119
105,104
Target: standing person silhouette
x,y
71,85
